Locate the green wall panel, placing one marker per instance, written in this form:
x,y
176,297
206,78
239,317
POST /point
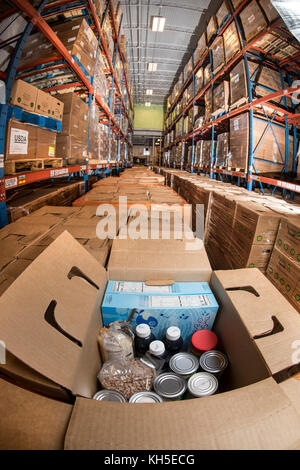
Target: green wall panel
x,y
148,117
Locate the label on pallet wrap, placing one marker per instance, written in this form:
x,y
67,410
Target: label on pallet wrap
x,y
11,183
18,141
1,160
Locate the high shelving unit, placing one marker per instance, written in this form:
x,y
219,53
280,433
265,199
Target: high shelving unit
x,y
120,103
281,114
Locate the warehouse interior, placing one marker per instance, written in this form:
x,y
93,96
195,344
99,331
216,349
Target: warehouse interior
x,y
149,225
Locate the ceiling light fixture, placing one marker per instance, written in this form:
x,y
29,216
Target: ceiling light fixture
x,y
158,23
147,103
149,92
152,67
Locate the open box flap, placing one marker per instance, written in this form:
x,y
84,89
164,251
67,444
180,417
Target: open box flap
x,y
259,416
261,308
47,312
138,266
30,421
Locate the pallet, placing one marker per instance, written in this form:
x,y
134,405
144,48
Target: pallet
x,y
12,167
219,112
35,119
238,170
239,103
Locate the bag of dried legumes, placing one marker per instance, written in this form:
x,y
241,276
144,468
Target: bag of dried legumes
x,y
126,376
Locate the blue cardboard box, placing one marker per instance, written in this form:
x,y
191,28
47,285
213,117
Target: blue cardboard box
x,y
189,312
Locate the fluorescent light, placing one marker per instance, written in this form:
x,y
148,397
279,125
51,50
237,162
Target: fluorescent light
x,y
158,23
152,67
147,103
149,92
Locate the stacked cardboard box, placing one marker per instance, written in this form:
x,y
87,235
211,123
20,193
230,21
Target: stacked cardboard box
x,y
76,35
28,142
22,241
284,266
72,142
268,144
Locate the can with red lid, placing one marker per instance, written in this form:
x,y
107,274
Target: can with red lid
x,y
202,341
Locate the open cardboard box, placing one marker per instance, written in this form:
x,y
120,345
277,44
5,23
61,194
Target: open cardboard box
x,y
50,318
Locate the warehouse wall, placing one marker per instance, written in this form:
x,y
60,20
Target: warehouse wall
x,y
148,117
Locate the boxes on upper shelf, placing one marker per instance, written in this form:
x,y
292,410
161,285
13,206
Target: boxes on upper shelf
x,y
253,20
223,13
24,95
231,41
218,55
212,28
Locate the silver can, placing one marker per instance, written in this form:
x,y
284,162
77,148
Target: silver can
x,y
145,397
109,395
202,384
184,364
213,362
170,386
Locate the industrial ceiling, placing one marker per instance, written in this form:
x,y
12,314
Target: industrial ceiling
x,y
170,49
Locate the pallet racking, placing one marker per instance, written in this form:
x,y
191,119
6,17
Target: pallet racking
x,y
280,114
63,63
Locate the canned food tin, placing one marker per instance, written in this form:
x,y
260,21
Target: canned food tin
x,y
202,384
145,397
170,386
109,395
184,364
213,362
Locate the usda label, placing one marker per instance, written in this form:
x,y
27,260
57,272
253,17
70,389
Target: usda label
x,y
18,142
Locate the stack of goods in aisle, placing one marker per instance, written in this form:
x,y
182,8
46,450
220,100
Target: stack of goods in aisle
x,y
138,185
240,228
284,266
22,241
218,47
31,137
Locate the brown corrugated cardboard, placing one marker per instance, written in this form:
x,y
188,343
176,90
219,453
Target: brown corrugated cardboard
x,y
30,421
288,238
21,141
231,41
137,260
24,95
43,104
247,301
218,422
253,20
46,143
57,108
62,355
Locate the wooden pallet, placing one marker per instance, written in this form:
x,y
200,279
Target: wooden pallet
x,y
219,167
12,167
220,111
238,170
239,103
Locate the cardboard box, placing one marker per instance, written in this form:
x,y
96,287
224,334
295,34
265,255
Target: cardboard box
x,y
223,13
30,421
265,361
44,104
270,11
69,147
212,28
288,239
218,54
57,108
255,223
221,98
232,43
23,95
46,143
253,20
21,141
